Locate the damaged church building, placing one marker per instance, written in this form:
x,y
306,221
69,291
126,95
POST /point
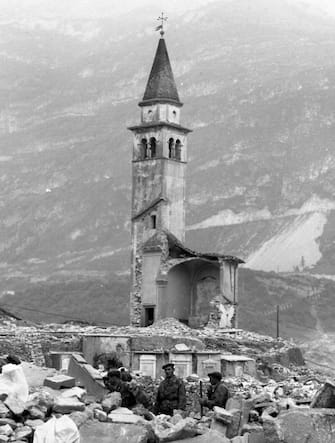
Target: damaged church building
x,y
169,279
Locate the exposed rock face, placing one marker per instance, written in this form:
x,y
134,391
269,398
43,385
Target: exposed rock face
x,y
118,432
306,426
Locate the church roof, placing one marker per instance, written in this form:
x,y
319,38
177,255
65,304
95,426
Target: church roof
x,y
154,203
161,85
155,243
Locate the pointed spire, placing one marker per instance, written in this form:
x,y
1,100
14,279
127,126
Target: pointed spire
x,y
161,85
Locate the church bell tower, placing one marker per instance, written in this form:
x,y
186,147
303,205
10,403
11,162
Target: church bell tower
x,y
158,162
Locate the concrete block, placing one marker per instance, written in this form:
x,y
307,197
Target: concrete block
x,y
15,405
77,392
211,436
241,439
306,424
8,421
223,415
23,432
6,430
325,397
271,430
122,411
111,401
255,432
234,403
94,373
34,423
59,381
116,432
234,426
83,374
66,405
79,358
219,427
36,412
123,418
81,417
100,415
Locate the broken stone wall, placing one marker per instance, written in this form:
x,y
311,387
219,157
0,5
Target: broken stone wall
x,y
10,344
34,345
94,345
135,302
60,341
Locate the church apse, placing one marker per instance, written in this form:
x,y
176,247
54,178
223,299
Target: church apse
x,y
199,292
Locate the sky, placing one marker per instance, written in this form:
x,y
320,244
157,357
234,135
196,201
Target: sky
x,y
105,8
90,8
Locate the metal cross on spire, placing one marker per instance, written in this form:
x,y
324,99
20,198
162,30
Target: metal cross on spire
x,y
162,19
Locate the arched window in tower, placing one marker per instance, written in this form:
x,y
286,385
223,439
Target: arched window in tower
x,y
178,149
153,144
171,148
144,148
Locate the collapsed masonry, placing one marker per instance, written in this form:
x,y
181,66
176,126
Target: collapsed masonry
x,y
171,280
274,397
165,340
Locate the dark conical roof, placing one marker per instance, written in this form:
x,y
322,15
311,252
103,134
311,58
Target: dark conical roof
x,y
161,84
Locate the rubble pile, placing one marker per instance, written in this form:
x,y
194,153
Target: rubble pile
x,y
34,342
255,412
24,410
300,385
283,401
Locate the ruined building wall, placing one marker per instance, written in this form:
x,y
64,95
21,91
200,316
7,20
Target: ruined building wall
x,y
150,268
177,300
173,213
147,184
229,280
33,344
206,287
136,276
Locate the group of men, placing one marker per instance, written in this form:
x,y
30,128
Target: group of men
x,y
171,394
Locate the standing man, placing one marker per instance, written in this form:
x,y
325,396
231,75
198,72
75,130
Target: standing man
x,y
217,393
171,393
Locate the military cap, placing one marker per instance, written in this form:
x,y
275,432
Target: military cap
x,y
216,375
168,365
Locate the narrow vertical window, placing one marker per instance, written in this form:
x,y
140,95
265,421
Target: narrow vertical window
x,y
153,147
171,148
178,150
144,148
153,221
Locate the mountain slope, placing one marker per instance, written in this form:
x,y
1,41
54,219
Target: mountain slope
x,y
257,81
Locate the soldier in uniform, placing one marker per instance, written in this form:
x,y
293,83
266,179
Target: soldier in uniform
x,y
171,393
217,393
131,394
